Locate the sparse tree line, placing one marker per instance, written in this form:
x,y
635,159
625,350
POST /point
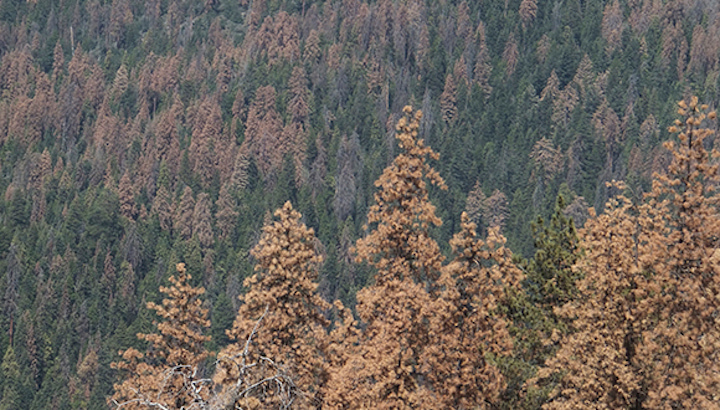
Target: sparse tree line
x,y
623,315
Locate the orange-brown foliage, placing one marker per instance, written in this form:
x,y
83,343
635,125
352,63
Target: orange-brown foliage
x,y
264,131
483,67
467,329
511,54
168,375
381,371
612,26
645,329
280,320
528,11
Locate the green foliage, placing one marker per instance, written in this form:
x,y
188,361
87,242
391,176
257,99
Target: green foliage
x,y
549,283
66,220
550,277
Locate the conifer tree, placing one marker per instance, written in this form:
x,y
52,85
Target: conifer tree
x,y
162,208
169,374
184,214
645,330
680,222
263,132
612,26
475,203
127,200
383,371
468,330
226,215
448,100
550,283
349,160
510,55
10,398
483,66
201,221
495,210
550,277
597,358
528,11
280,325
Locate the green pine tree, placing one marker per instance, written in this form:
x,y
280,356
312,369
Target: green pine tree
x,y
550,282
10,380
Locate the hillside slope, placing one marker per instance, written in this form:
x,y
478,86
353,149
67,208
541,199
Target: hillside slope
x,y
137,134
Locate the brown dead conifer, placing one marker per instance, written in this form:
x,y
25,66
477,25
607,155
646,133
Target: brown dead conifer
x,y
168,375
381,371
645,319
280,321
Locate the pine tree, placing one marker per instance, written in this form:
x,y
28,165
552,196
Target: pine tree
x,y
349,160
226,215
495,210
527,11
298,98
645,335
448,100
597,357
475,204
11,380
201,221
58,62
127,197
550,277
464,27
162,208
510,55
548,160
612,26
383,369
184,214
550,283
280,325
468,332
263,132
483,66
108,278
680,222
207,132
169,375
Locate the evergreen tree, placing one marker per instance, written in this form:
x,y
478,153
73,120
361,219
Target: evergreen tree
x,y
280,326
11,381
680,220
550,276
384,369
169,375
550,283
645,335
469,332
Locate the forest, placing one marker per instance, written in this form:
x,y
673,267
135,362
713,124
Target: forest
x,y
537,231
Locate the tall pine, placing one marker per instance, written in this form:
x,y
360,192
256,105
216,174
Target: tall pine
x,y
645,319
384,371
280,325
169,375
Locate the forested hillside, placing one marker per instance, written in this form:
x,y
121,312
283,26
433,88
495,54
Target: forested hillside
x,y
135,135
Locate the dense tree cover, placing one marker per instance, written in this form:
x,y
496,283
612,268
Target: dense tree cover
x,y
428,333
135,135
628,323
645,318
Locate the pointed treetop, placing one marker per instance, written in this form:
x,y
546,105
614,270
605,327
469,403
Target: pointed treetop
x,y
400,244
